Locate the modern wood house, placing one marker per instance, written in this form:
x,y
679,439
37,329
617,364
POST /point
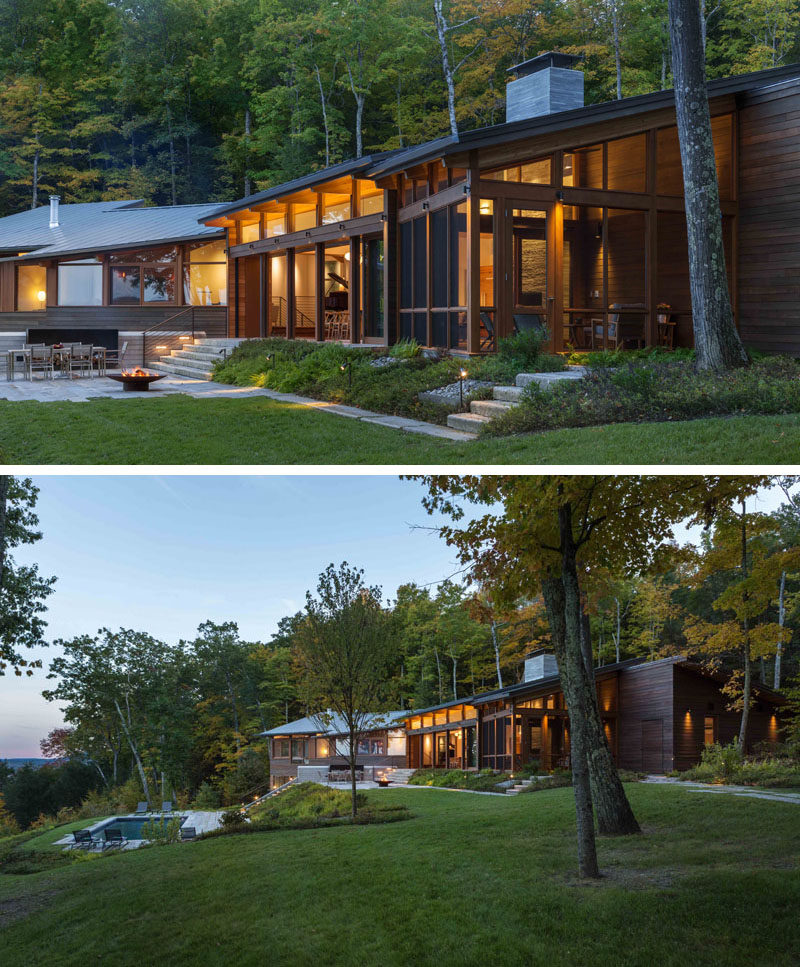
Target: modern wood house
x,y
106,272
657,716
315,748
566,215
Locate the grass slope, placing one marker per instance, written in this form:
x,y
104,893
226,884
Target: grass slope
x,y
470,880
183,430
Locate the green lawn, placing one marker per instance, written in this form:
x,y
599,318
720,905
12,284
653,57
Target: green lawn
x,y
183,430
469,880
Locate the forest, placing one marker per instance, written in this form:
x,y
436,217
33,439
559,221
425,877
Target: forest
x,y
182,101
144,717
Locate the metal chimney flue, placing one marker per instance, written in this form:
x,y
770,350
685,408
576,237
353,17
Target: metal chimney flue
x,y
544,85
54,200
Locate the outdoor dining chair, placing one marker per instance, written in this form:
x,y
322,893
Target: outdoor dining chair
x,y
41,361
114,357
488,341
80,359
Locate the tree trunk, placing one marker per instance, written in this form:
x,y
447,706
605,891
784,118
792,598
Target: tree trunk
x,y
441,33
570,669
717,341
617,56
358,94
614,813
439,671
748,672
586,643
174,189
455,685
776,683
496,653
135,753
619,632
352,757
35,192
324,104
247,184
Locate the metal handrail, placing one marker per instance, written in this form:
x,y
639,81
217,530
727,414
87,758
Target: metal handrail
x,y
159,327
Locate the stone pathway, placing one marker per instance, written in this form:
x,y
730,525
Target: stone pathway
x,y
84,390
745,791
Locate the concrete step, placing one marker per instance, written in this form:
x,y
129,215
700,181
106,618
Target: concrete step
x,y
202,365
490,408
171,369
508,394
206,355
547,380
468,422
228,343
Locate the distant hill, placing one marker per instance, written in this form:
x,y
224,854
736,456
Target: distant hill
x,y
19,763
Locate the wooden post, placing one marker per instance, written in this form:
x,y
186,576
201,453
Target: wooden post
x,y
391,275
319,291
354,295
290,293
474,259
267,294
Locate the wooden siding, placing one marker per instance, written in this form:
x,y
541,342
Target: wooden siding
x,y
645,696
122,318
696,697
769,219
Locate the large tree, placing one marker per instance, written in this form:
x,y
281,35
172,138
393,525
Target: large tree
x,y
23,590
716,338
344,648
547,536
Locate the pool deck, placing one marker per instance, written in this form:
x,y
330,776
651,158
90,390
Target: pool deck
x,y
203,822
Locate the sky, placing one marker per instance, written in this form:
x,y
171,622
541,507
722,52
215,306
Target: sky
x,y
164,553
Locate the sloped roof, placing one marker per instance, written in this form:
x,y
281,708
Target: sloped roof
x,y
98,226
310,725
391,162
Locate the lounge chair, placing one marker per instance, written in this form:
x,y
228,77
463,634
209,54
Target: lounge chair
x,y
166,806
83,839
114,838
187,833
141,809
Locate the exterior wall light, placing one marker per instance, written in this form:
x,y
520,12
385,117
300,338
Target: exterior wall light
x,y
41,295
559,196
425,206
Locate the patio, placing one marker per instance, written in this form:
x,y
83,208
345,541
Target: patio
x,y
201,821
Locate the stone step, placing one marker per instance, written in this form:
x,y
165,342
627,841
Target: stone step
x,y
228,343
206,355
202,365
547,380
509,394
468,422
172,369
490,408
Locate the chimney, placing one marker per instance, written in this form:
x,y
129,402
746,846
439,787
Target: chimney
x,y
540,664
544,85
54,200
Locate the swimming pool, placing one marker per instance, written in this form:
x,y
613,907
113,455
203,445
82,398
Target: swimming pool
x,y
131,826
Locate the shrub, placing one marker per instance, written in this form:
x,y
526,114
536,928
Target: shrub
x,y
725,764
161,833
207,797
484,781
647,391
524,347
307,800
558,780
405,349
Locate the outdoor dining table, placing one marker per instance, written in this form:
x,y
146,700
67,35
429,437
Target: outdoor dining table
x,y
61,357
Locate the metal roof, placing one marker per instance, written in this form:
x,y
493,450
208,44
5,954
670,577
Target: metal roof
x,y
99,226
311,725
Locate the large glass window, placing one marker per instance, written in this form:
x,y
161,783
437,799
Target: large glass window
x,y
143,276
370,198
305,217
336,208
669,173
274,224
281,749
583,167
31,288
80,283
205,274
126,284
627,164
537,172
250,232
414,279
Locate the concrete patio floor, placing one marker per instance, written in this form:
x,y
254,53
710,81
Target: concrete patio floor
x,y
84,390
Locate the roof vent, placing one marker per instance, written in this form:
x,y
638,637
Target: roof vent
x,y
540,664
54,200
544,85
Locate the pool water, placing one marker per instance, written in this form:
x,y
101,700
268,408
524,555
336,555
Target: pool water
x,y
131,826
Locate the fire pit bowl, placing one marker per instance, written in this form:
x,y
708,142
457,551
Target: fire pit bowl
x,y
137,380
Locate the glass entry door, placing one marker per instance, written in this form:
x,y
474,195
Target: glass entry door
x,y
372,295
528,270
